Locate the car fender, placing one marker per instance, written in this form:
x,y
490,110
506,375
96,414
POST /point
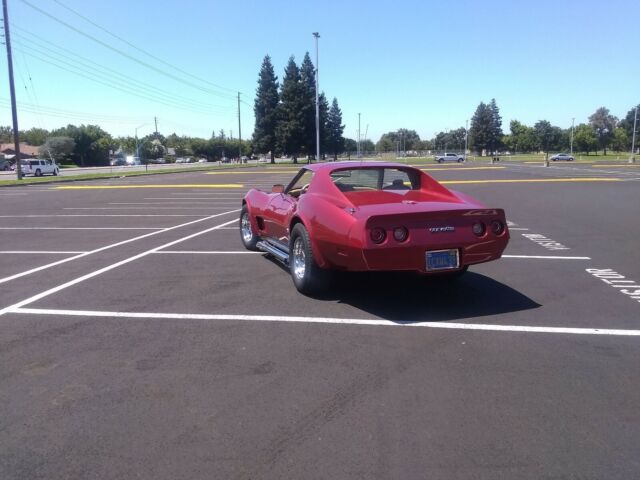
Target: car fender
x,y
255,201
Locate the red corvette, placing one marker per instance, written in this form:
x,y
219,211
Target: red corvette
x,y
361,216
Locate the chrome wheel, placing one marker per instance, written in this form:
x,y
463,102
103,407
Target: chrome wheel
x,y
245,227
299,259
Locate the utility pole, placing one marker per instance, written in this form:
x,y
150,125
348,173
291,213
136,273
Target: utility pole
x,y
317,36
358,135
12,89
573,122
155,119
632,159
239,131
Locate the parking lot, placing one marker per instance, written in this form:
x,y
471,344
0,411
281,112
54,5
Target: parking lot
x,y
139,339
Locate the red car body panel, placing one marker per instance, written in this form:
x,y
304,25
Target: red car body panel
x,y
339,223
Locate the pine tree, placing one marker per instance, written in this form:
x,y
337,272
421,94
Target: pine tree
x,y
324,123
266,110
496,125
486,127
308,79
292,112
335,129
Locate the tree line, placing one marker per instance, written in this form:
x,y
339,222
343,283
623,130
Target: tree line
x,y
285,114
603,131
90,145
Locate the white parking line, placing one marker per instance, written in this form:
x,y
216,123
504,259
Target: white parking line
x,y
49,265
339,321
548,257
215,202
213,252
142,208
38,252
100,215
81,228
95,273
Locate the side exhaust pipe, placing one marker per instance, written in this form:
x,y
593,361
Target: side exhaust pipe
x,y
272,250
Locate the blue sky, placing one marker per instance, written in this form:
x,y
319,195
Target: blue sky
x,y
421,65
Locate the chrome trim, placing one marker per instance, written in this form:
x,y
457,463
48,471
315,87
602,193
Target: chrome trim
x,y
276,252
245,227
299,258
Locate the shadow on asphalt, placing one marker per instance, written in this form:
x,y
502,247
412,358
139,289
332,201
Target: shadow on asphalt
x,y
405,297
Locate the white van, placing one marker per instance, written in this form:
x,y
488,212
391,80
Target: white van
x,y
39,167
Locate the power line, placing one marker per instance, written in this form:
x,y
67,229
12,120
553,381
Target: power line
x,y
131,90
126,55
126,82
57,112
85,62
140,49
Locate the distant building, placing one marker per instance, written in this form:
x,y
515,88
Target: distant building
x,y
26,151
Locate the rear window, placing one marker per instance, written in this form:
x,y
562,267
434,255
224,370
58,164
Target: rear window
x,y
362,179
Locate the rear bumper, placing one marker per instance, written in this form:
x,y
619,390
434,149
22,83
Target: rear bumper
x,y
413,257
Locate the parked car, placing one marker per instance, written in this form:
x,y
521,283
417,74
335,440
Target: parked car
x,y
5,164
562,156
38,167
117,162
453,157
369,216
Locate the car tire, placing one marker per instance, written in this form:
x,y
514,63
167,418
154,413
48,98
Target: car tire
x,y
307,276
38,173
55,173
248,237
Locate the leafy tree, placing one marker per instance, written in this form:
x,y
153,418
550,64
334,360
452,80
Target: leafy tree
x,y
522,137
34,136
584,139
367,146
6,134
266,110
92,144
402,138
126,144
60,148
292,112
335,130
450,140
350,145
603,124
627,122
620,140
544,134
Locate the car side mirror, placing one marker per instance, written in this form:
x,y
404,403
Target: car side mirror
x,y
277,188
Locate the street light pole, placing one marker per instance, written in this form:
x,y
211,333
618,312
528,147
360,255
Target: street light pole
x,y
317,36
632,159
573,121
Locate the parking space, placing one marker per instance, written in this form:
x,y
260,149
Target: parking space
x,y
526,360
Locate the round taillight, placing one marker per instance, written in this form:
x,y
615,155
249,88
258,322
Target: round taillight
x,y
400,234
497,227
479,228
378,235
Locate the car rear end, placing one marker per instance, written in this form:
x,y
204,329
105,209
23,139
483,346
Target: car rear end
x,y
433,242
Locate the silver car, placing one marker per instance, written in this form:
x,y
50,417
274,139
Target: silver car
x,y
562,156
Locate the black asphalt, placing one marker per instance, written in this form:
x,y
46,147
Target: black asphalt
x,y
89,396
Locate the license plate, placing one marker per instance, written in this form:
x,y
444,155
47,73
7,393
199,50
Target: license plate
x,y
442,259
